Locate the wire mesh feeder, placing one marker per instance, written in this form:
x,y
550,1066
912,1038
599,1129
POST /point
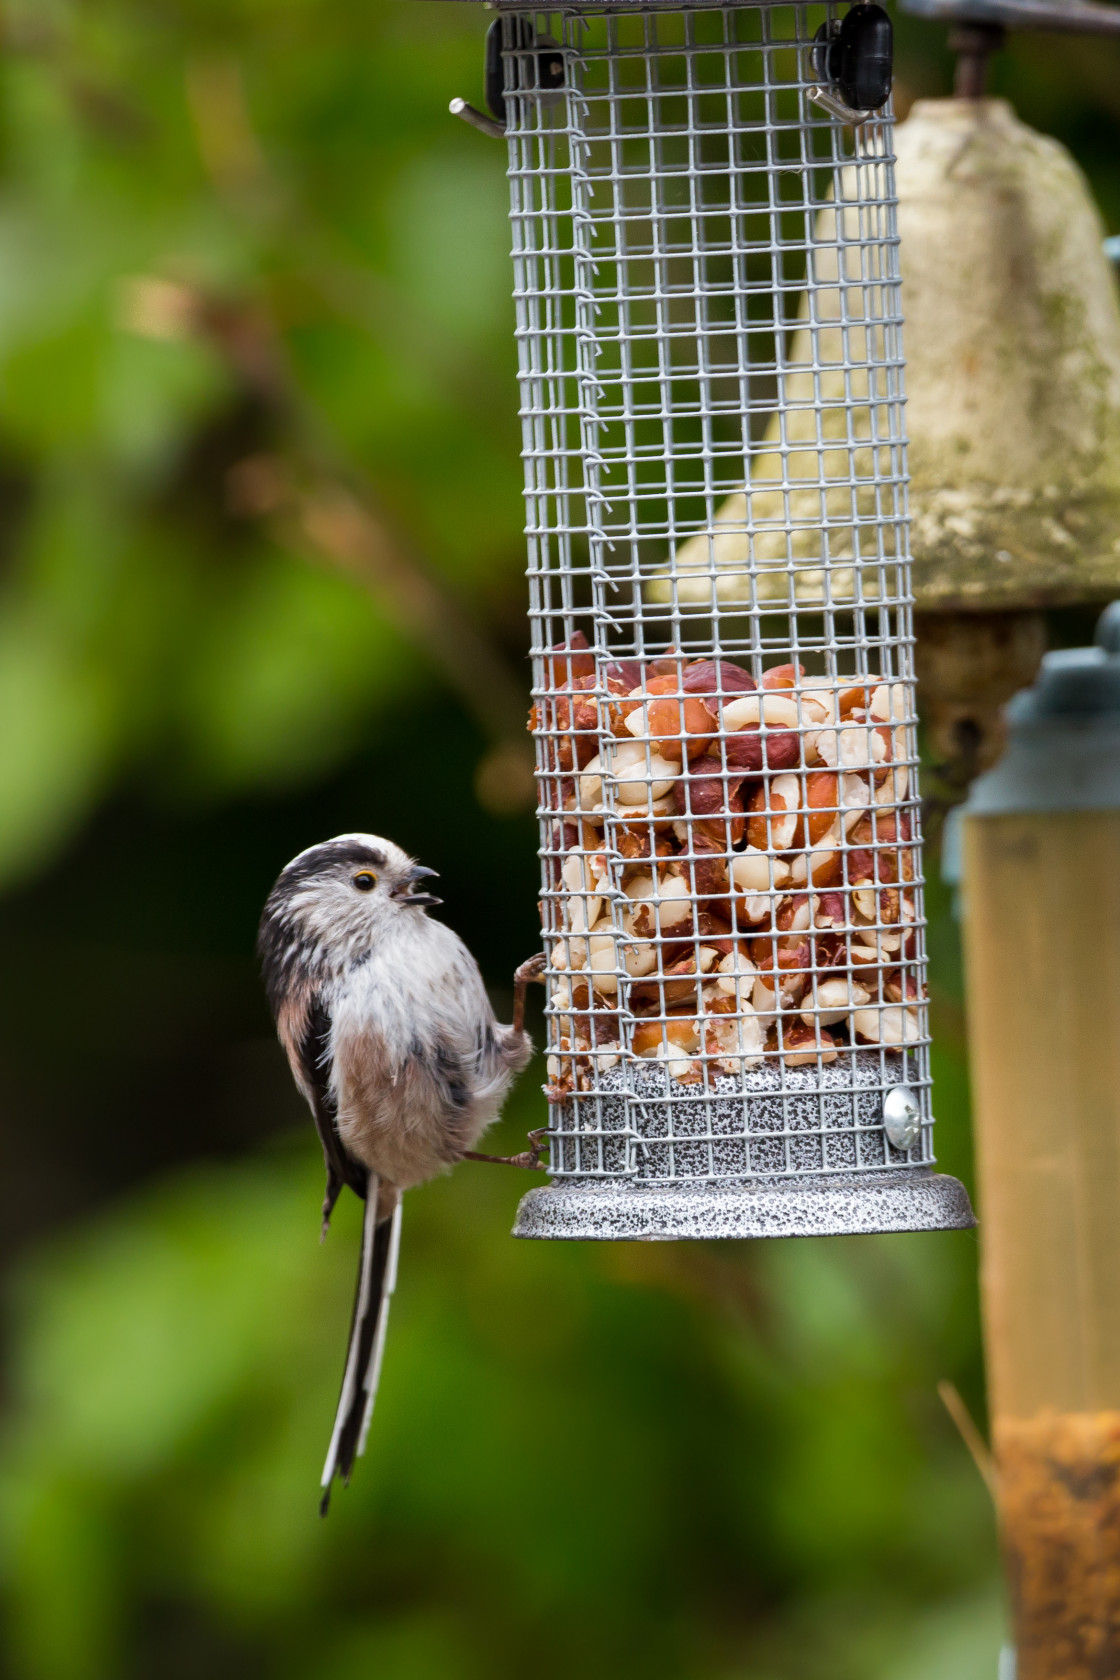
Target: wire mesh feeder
x,y
711,368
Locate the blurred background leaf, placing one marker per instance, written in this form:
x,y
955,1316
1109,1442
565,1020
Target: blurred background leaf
x,y
261,582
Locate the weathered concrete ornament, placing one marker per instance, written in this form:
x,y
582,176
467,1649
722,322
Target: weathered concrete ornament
x,y
1012,384
1013,365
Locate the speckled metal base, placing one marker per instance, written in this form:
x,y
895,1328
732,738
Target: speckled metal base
x,y
765,1122
914,1199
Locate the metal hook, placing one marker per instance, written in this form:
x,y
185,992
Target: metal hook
x,y
837,108
477,119
542,74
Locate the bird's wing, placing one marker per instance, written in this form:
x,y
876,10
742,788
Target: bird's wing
x,y
467,1054
307,1041
377,1276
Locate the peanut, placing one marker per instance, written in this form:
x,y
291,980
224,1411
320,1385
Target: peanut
x,y
776,711
821,808
757,871
775,822
678,724
834,1000
782,676
641,781
803,1044
569,660
803,931
715,678
651,1036
887,1024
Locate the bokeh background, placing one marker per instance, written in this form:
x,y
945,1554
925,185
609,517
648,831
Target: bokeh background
x,y
260,582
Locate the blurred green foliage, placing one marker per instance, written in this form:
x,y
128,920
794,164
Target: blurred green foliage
x,y
224,238
620,1461
258,456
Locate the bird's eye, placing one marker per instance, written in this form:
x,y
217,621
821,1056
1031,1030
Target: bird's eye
x,y
365,880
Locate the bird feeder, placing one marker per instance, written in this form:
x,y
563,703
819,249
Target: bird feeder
x,y
707,293
1041,900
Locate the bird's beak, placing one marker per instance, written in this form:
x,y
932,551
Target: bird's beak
x,y
405,893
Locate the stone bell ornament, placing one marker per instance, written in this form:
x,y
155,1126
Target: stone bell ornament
x,y
1013,410
1013,339
706,282
1013,371
1013,389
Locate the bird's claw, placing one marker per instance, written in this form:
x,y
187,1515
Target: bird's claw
x,y
531,969
530,1159
537,1155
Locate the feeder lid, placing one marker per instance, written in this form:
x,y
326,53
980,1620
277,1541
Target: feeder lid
x,y
1063,750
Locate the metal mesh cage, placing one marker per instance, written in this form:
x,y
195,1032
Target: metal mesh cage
x,y
708,314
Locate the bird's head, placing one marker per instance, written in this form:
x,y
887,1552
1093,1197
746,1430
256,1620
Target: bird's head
x,y
335,900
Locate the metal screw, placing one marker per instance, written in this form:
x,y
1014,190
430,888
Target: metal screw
x,y
902,1118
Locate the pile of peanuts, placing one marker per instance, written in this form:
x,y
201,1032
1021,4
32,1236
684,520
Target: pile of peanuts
x,y
732,867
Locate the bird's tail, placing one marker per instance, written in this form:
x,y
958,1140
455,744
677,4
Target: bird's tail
x,y
377,1276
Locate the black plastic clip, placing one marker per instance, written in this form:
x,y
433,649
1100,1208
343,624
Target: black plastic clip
x,y
854,58
540,70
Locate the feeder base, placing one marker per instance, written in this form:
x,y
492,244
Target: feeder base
x,y
831,1205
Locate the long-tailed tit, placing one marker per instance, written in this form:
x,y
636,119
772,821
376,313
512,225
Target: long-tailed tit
x,y
392,1040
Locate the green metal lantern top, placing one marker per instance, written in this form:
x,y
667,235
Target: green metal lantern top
x,y
1063,750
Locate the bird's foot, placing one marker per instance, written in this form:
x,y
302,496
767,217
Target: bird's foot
x,y
532,969
530,1159
539,1140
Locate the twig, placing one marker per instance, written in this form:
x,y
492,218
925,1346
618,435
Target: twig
x,y
978,1448
345,531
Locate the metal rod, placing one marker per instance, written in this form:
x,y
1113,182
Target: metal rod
x,y
836,107
974,44
477,119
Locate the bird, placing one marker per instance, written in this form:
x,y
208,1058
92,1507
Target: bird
x,y
392,1040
